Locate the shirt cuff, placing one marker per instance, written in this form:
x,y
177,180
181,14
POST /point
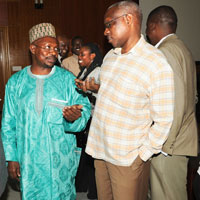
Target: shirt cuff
x,y
145,153
10,154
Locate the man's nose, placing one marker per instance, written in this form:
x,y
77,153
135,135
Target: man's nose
x,y
54,52
106,31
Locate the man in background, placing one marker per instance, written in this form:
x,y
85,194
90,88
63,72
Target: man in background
x,y
168,175
63,43
71,63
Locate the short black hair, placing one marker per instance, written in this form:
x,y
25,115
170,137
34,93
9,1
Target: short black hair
x,y
76,38
164,14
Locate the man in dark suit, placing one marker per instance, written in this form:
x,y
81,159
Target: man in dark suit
x,y
63,43
168,174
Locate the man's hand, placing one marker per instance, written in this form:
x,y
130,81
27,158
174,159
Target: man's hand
x,y
72,113
87,85
14,170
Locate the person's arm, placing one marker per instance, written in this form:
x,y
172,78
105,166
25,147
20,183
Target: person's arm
x,y
8,131
90,85
78,112
161,105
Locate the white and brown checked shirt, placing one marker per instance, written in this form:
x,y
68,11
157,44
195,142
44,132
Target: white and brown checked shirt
x,y
134,109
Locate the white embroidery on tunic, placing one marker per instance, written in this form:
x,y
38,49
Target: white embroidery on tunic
x,y
39,96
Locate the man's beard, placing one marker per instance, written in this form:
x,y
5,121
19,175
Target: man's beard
x,y
48,66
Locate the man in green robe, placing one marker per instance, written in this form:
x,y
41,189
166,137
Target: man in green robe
x,y
42,108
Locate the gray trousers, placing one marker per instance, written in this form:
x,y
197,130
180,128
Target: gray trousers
x,y
168,177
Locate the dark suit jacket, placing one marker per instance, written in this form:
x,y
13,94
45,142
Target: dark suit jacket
x,y
182,138
3,169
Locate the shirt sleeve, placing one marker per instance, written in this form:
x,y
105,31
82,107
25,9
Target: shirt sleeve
x,y
8,126
161,111
78,98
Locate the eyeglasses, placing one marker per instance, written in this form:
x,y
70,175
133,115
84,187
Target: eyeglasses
x,y
49,48
109,24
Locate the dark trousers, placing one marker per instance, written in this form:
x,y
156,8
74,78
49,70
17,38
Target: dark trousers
x,y
85,178
196,186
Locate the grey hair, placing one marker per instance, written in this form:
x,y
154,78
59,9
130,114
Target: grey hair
x,y
130,7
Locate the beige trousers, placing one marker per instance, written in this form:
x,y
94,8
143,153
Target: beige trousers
x,y
122,183
168,177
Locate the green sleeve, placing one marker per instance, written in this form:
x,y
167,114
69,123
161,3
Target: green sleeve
x,y
8,125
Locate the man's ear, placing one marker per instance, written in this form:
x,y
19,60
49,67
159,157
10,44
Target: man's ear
x,y
129,18
152,26
32,48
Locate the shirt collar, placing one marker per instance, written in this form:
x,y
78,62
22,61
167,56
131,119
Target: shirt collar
x,y
160,42
41,76
59,58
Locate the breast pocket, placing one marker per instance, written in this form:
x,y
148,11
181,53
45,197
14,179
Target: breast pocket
x,y
55,107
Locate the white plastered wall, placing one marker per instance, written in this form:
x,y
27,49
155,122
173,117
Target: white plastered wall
x,y
188,12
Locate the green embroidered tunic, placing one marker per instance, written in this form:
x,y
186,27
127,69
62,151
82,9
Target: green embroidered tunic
x,y
36,135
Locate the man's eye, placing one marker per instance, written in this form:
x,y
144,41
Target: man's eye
x,y
108,25
47,47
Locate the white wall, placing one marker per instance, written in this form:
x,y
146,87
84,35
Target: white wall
x,y
188,12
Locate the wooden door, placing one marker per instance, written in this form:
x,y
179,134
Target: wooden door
x,y
5,71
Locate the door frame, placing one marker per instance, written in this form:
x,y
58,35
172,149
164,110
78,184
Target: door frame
x,y
4,59
5,54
